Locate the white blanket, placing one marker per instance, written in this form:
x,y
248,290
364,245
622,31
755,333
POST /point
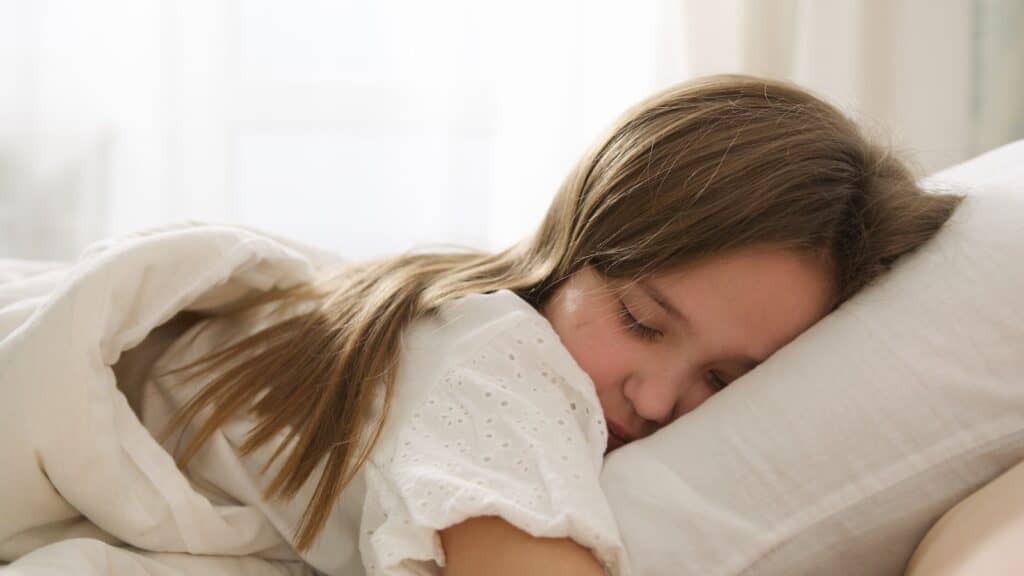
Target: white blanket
x,y
84,487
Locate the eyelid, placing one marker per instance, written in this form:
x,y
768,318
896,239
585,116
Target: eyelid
x,y
716,378
650,309
634,325
663,306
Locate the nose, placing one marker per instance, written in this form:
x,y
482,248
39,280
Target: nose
x,y
654,396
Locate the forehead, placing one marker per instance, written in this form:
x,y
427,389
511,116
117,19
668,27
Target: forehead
x,y
762,297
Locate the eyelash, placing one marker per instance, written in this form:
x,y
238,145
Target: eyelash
x,y
648,333
634,325
717,382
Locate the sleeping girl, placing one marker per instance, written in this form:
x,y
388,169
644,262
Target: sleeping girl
x,y
448,413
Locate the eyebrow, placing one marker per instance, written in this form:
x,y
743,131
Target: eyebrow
x,y
748,362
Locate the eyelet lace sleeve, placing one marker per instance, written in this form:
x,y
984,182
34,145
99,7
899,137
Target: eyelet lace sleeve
x,y
512,430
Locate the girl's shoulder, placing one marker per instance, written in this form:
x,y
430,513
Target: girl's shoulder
x,y
491,416
461,325
481,311
495,354
505,324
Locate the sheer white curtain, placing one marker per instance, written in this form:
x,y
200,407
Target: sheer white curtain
x,y
371,126
363,126
941,80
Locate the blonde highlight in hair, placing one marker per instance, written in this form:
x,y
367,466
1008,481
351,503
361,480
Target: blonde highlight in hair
x,y
715,164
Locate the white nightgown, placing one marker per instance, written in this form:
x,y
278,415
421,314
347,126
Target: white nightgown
x,y
491,416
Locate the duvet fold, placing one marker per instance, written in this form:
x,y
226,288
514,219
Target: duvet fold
x,y
84,485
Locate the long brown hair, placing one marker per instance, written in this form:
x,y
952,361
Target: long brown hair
x,y
714,164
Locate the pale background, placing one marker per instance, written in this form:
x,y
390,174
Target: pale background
x,y
372,126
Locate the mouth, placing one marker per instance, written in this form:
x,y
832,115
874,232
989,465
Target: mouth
x,y
617,437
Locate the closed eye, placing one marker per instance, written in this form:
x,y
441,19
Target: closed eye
x,y
717,381
634,325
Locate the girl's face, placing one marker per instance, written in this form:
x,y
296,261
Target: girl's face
x,y
659,348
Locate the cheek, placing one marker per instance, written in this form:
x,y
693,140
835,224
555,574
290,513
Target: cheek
x,y
600,351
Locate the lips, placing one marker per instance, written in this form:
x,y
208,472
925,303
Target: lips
x,y
617,436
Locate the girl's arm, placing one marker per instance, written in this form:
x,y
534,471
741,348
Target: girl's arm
x,y
489,545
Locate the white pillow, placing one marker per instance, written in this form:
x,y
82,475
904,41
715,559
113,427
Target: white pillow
x,y
837,454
